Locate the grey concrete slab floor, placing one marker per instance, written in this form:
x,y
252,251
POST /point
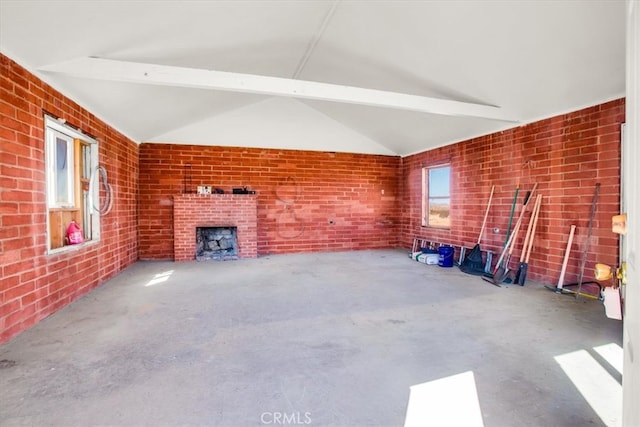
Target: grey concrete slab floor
x,y
310,339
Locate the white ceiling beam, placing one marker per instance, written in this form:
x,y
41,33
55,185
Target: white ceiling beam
x,y
163,75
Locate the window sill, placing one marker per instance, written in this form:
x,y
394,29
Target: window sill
x,y
63,209
71,248
435,227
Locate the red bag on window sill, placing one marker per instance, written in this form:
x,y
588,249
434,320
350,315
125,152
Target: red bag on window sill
x,y
74,234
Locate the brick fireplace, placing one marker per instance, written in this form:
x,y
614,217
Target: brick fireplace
x,y
191,211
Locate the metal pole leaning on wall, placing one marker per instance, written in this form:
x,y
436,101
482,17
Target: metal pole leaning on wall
x,y
594,205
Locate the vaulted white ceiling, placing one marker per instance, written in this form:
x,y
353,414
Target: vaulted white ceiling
x,y
503,63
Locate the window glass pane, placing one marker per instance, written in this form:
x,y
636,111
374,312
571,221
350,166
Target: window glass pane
x,y
62,171
438,201
86,161
439,212
439,182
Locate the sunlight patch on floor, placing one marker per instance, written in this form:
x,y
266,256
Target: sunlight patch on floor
x,y
160,278
597,386
450,401
613,354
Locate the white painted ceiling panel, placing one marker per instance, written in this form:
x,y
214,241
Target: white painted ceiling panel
x,y
279,123
533,59
419,132
153,110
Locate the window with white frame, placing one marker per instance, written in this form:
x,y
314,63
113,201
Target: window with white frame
x,y
61,171
70,158
436,196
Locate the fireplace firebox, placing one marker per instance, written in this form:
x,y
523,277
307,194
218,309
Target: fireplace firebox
x,y
216,243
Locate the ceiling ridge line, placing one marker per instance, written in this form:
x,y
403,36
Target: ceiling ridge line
x,y
313,43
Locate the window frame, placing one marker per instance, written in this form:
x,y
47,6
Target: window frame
x,y
426,198
53,198
82,196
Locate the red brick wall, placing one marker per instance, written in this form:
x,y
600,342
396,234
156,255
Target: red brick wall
x,y
33,285
307,201
215,210
566,155
298,193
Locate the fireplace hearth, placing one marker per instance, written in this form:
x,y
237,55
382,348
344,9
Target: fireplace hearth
x,y
216,243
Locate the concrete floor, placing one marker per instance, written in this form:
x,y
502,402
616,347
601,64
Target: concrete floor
x,y
327,339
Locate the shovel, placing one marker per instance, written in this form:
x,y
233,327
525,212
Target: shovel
x,y
502,266
503,269
513,209
499,271
513,278
521,275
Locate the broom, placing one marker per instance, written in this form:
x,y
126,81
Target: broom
x,y
473,263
